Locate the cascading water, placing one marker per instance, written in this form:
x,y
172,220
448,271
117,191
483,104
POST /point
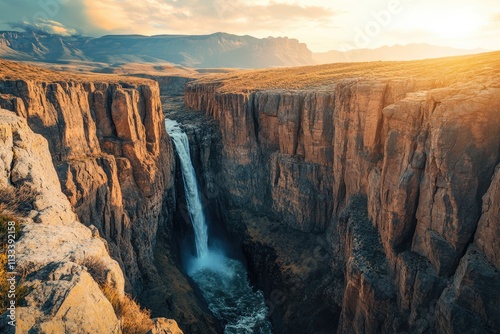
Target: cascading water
x,y
194,206
223,281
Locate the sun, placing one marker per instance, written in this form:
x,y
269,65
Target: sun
x,y
453,23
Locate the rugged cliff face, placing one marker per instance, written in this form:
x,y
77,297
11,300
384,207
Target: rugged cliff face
x,y
115,164
365,202
397,173
54,249
63,294
109,149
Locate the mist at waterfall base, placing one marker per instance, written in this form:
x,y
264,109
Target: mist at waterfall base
x,y
223,281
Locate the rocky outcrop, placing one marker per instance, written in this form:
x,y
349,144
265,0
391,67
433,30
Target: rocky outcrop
x,y
63,296
394,172
65,299
164,326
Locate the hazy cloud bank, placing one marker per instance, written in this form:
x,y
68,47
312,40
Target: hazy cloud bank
x,y
44,26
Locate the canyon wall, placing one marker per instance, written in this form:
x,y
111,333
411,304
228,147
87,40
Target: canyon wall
x,y
53,243
54,251
399,175
115,164
106,143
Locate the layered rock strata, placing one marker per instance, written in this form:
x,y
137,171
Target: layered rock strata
x,y
106,142
62,296
399,174
115,164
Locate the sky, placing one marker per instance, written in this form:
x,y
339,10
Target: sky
x,y
322,25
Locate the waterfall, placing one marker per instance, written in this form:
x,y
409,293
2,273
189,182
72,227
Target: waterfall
x,y
193,200
223,281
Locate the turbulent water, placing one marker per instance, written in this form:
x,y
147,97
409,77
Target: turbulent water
x,y
225,286
223,281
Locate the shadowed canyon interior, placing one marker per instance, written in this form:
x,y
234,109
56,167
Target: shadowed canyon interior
x,y
360,198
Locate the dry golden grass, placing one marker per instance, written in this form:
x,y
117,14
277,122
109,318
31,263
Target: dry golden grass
x,y
134,319
128,69
17,200
443,70
10,70
14,203
96,269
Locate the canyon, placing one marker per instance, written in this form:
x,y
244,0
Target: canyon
x,y
365,198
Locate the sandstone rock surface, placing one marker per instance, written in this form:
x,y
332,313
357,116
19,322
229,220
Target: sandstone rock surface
x,y
63,296
165,326
418,156
65,299
108,145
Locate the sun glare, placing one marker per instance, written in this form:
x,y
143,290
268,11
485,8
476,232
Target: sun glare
x,y
454,23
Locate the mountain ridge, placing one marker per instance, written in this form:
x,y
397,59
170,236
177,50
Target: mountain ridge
x,y
215,50
398,52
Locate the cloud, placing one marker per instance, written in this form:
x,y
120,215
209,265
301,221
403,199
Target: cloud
x,y
150,17
201,16
45,27
69,13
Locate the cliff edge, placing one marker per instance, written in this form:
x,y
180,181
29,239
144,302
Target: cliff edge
x,y
114,163
385,174
62,295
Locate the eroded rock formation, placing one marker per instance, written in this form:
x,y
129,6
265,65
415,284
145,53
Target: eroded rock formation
x,y
115,164
63,294
106,143
399,174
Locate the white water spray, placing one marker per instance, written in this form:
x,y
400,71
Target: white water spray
x,y
223,281
194,205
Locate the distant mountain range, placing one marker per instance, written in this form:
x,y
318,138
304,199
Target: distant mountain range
x,y
389,53
219,50
206,51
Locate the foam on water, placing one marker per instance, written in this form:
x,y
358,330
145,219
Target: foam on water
x,y
225,286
